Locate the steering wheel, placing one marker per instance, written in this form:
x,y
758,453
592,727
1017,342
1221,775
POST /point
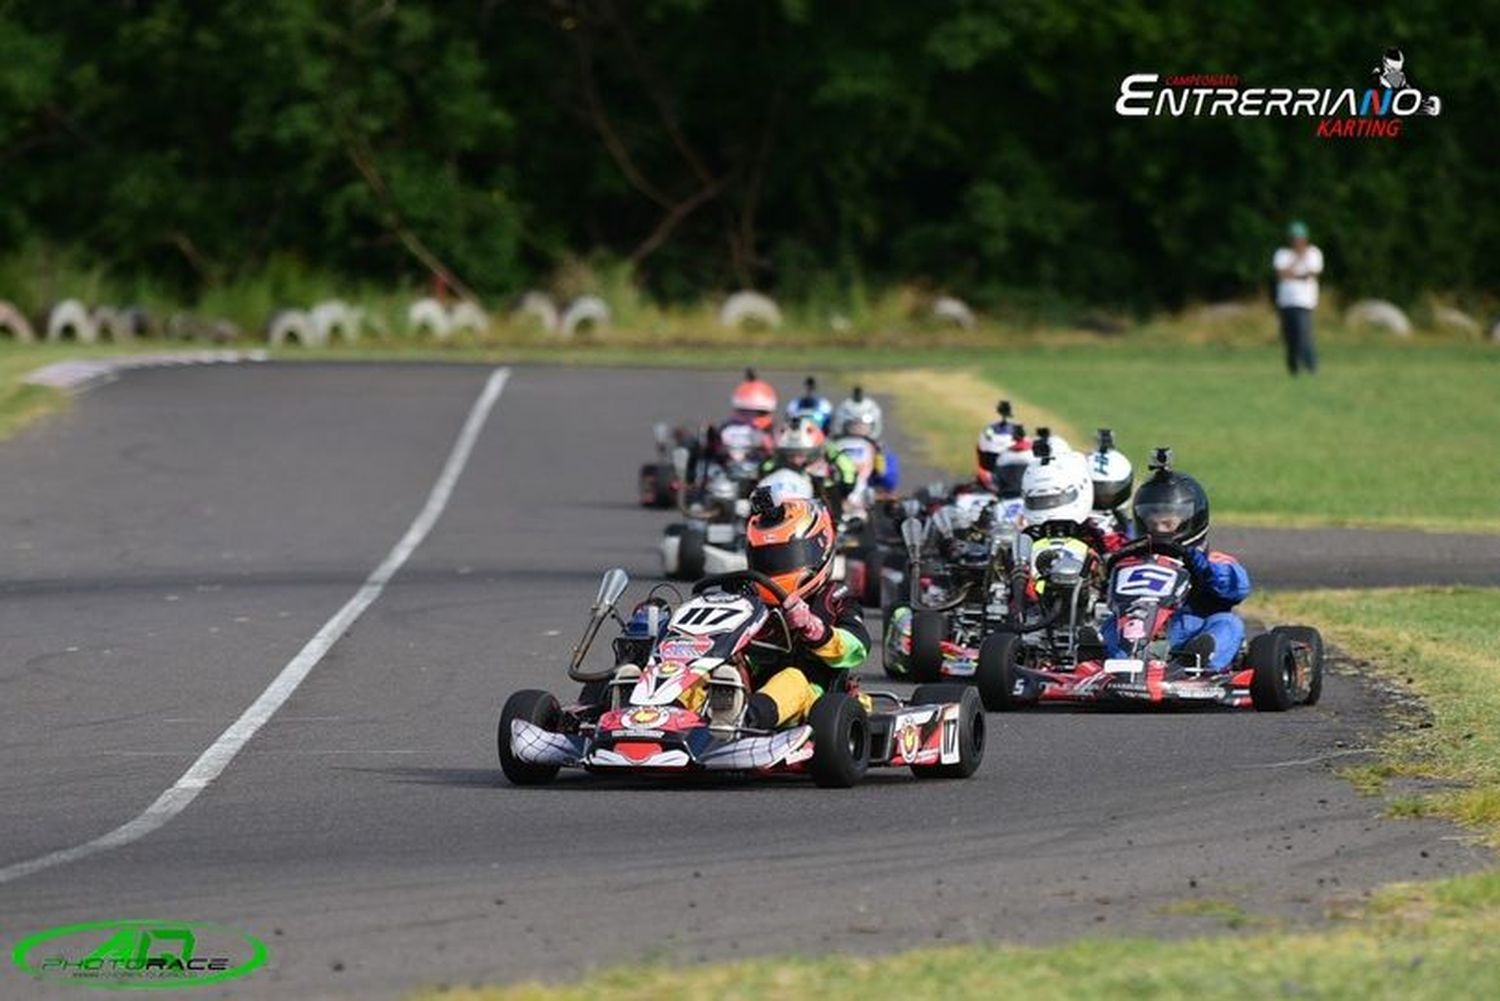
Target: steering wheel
x,y
1165,547
742,577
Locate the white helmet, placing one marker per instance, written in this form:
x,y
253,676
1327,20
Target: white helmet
x,y
1111,472
1057,488
859,415
787,483
801,440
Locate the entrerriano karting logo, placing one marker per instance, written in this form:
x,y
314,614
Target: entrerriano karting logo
x,y
129,955
1375,112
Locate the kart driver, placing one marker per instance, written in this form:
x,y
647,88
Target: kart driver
x,y
803,448
793,543
860,417
1172,506
747,432
812,406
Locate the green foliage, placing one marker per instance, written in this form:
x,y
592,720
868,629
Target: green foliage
x,y
806,147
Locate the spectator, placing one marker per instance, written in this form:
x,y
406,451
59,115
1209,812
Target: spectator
x,y
1297,268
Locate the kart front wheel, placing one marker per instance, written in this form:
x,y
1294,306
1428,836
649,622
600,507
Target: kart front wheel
x,y
692,559
968,734
1273,684
996,675
532,706
841,741
928,629
1313,641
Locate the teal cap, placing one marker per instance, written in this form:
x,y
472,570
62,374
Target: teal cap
x,y
1297,230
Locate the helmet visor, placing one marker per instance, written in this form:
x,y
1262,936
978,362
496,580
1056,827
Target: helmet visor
x,y
1164,517
784,557
1052,501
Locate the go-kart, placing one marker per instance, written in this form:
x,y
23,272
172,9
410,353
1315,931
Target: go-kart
x,y
682,711
958,589
1147,583
714,500
658,482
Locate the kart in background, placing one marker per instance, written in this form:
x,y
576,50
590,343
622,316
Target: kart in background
x,y
713,497
658,483
682,711
1147,583
958,585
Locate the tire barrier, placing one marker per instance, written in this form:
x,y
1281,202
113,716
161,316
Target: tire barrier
x,y
112,324
1378,313
290,326
428,318
467,318
585,311
334,319
1454,319
70,318
538,308
746,308
947,309
13,324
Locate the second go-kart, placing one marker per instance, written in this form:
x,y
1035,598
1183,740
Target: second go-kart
x,y
1147,583
682,710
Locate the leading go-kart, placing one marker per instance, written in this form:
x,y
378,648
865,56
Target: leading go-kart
x,y
682,711
1147,583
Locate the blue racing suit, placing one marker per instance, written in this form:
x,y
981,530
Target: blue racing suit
x,y
1219,583
887,471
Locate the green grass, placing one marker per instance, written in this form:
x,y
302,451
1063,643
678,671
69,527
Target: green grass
x,y
1437,943
1386,434
1442,645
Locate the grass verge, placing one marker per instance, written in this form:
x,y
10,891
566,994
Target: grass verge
x,y
1386,435
1441,645
1411,941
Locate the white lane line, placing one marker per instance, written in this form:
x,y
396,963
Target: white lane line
x,y
212,762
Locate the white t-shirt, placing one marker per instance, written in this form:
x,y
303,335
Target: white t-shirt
x,y
1302,291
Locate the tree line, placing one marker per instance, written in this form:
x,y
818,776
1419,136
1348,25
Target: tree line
x,y
798,146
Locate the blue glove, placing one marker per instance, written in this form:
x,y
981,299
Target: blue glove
x,y
1198,563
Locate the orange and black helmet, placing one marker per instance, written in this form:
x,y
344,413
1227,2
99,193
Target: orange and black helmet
x,y
791,542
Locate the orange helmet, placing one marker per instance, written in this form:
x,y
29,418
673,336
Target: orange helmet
x,y
791,542
754,401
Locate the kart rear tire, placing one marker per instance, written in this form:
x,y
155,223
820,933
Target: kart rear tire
x,y
971,732
533,706
928,629
841,740
692,559
1314,641
995,674
1271,686
656,485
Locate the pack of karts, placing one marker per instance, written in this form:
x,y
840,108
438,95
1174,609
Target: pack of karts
x,y
676,705
1026,587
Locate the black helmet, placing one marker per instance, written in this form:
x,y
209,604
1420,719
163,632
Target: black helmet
x,y
1174,502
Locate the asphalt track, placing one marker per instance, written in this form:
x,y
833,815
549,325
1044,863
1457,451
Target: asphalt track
x,y
174,539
